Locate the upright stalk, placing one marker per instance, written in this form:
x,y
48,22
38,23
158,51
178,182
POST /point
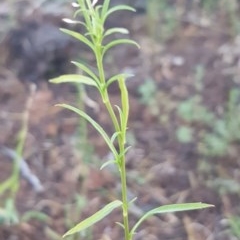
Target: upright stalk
x,y
121,143
94,18
122,170
124,198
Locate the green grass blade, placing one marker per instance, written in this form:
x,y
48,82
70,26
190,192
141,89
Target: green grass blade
x,y
74,78
78,36
88,222
169,209
94,124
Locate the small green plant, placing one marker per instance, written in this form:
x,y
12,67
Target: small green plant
x,y
225,130
148,92
193,109
234,222
95,37
221,131
184,134
10,187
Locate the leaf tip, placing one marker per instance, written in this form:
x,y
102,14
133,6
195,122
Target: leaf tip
x,y
59,105
64,235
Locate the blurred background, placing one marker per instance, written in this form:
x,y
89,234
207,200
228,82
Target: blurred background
x,y
184,121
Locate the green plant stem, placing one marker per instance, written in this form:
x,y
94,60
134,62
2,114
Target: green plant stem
x,y
122,169
112,114
124,197
21,140
122,130
99,59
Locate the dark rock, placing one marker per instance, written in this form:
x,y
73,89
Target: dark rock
x,y
38,50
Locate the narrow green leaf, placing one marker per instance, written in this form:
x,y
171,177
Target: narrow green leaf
x,y
78,36
86,70
94,218
118,42
74,78
98,14
125,151
118,76
107,163
120,115
169,209
117,8
116,30
105,8
120,224
114,136
94,124
78,12
125,104
132,201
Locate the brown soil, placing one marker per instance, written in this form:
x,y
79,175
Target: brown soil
x,y
160,169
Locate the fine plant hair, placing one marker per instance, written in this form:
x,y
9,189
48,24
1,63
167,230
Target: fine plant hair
x,y
93,20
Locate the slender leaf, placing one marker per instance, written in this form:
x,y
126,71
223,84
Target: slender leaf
x,y
74,78
107,163
116,30
79,11
117,8
116,77
120,224
132,201
125,104
118,42
94,124
87,70
78,36
94,218
105,8
98,13
120,115
114,136
169,209
125,151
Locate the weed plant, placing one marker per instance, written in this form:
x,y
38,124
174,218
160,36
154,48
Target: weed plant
x,y
10,187
220,131
148,92
95,37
